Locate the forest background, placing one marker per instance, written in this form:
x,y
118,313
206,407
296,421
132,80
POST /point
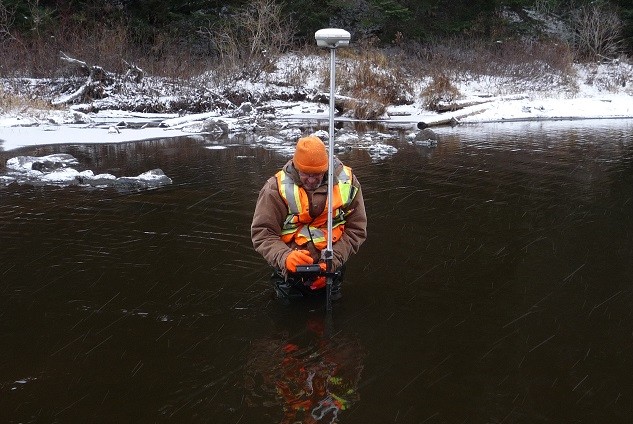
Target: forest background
x,y
183,39
180,36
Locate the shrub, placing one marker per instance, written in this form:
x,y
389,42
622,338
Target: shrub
x,y
249,41
371,80
366,108
439,90
10,102
597,29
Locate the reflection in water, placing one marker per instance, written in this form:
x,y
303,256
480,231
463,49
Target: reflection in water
x,y
311,376
494,286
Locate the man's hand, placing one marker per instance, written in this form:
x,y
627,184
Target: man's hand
x,y
318,283
298,257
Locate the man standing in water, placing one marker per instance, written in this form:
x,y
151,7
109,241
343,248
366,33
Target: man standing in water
x,y
289,226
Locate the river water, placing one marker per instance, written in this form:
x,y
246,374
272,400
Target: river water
x,y
495,286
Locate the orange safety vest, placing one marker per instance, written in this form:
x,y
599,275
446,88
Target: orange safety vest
x,y
299,225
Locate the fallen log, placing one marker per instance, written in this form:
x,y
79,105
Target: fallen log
x,y
454,106
78,64
80,93
92,88
452,120
458,105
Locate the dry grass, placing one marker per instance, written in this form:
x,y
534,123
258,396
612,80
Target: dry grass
x,y
12,102
513,64
613,79
369,77
440,90
366,108
511,58
107,46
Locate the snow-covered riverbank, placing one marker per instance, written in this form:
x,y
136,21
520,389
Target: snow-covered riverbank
x,y
599,91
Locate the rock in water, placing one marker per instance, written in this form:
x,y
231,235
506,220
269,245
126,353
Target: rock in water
x,y
43,164
426,137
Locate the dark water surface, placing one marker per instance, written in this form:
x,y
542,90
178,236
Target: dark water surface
x,y
496,286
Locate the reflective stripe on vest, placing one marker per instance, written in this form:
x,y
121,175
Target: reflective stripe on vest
x,y
299,225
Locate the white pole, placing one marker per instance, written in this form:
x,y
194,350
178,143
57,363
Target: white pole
x,y
330,175
331,38
329,251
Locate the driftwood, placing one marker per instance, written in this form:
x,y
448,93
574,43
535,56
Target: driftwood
x,y
458,105
96,73
133,73
93,88
81,93
97,79
76,63
452,121
454,106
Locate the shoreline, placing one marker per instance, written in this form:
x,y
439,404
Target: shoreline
x,y
17,137
286,119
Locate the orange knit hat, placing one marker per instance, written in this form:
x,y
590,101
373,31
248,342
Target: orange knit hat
x,y
310,155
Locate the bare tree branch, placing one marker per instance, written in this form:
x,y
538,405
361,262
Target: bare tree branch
x,y
6,20
597,28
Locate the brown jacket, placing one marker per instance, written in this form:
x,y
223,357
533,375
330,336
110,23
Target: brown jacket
x,y
271,211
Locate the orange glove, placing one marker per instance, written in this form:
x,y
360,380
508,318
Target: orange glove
x,y
318,283
298,257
